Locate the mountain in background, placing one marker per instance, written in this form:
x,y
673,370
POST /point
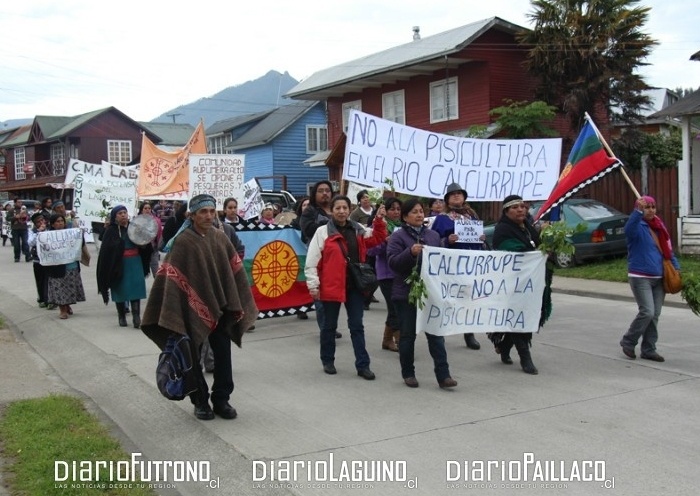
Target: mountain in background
x,y
251,97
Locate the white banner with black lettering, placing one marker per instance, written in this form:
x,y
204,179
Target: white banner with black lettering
x,y
59,247
422,163
481,291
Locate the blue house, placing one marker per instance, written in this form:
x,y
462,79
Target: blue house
x,y
277,145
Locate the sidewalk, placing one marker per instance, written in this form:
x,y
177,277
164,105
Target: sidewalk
x,y
578,408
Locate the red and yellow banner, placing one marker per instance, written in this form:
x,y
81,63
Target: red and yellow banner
x,y
164,174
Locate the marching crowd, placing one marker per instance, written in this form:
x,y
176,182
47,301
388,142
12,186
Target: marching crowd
x,y
200,288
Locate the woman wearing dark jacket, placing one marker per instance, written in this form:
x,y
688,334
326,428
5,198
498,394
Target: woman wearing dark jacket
x,y
326,277
648,244
404,252
122,267
513,232
173,224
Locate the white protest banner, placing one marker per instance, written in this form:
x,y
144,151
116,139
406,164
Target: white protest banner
x,y
59,247
253,203
481,291
100,187
469,231
220,176
423,163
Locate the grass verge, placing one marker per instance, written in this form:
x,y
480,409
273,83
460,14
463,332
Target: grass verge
x,y
615,269
38,432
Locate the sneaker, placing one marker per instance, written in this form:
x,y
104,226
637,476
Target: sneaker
x,y
329,368
629,352
42,304
51,306
653,356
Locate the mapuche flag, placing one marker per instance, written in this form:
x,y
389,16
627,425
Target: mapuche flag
x,y
587,162
274,262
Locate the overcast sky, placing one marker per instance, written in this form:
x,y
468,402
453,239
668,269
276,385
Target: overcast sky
x,y
146,57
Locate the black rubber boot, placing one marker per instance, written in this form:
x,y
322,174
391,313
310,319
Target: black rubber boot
x,y
121,312
526,360
136,313
505,354
471,341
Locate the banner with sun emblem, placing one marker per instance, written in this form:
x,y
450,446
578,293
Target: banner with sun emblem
x,y
274,262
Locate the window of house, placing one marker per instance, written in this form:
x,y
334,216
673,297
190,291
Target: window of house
x,y
58,158
393,108
218,144
19,163
74,151
347,107
119,152
443,100
316,139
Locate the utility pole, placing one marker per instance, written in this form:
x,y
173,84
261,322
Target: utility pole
x,y
173,116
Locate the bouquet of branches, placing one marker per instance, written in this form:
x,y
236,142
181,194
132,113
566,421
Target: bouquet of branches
x,y
690,292
556,238
417,292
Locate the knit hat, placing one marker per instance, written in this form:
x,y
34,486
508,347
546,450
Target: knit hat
x,y
647,199
202,201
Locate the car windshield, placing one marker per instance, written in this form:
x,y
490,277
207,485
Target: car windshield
x,y
593,210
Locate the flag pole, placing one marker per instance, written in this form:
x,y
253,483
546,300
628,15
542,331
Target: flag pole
x,y
612,154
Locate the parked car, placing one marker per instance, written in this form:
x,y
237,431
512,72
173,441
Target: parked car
x,y
283,198
604,234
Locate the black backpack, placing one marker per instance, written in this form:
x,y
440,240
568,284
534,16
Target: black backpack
x,y
175,374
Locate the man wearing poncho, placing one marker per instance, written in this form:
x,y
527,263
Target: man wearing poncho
x,y
201,290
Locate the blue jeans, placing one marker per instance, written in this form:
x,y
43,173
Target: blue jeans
x,y
649,295
407,341
354,306
19,237
320,314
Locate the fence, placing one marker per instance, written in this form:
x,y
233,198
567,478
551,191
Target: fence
x,y
613,190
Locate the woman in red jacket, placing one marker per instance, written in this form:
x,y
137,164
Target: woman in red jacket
x,y
326,278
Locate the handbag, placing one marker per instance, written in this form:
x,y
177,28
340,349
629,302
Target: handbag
x,y
175,375
362,275
673,282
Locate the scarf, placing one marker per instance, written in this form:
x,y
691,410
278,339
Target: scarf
x,y
392,224
658,227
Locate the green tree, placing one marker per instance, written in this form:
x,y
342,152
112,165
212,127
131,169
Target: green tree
x,y
519,120
585,54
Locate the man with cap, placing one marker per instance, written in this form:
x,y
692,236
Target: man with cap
x,y
456,208
201,290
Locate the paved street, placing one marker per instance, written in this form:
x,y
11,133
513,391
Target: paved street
x,y
637,419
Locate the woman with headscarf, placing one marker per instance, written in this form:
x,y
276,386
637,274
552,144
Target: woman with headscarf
x,y
514,232
122,267
64,285
648,244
